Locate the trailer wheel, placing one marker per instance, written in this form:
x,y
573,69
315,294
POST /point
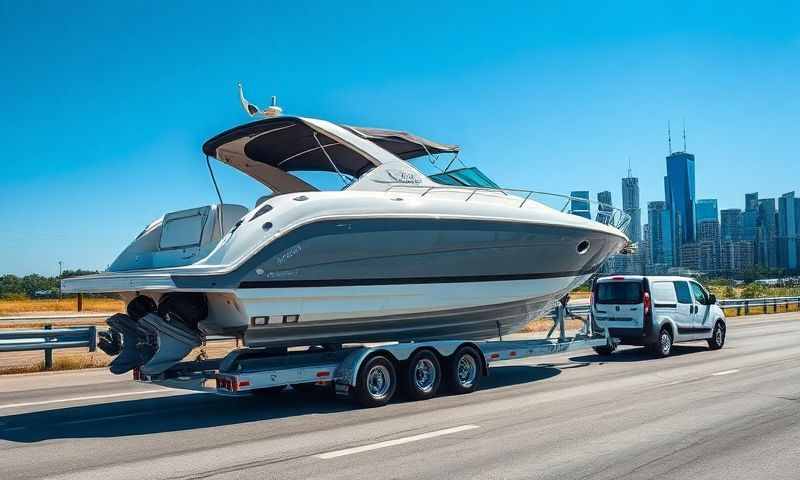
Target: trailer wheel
x,y
377,382
423,375
464,370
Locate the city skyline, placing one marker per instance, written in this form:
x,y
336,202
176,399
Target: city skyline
x,y
687,234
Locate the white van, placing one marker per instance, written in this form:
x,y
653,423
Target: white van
x,y
656,312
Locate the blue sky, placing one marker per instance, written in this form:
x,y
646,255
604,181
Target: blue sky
x,y
106,105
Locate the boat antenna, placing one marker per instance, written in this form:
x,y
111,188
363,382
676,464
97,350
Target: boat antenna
x,y
219,195
252,109
344,180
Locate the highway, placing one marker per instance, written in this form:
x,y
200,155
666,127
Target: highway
x,y
700,414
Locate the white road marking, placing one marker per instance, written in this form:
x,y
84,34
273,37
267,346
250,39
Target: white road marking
x,y
726,372
79,399
398,441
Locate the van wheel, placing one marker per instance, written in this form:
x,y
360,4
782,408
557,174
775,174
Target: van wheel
x,y
377,382
663,347
717,339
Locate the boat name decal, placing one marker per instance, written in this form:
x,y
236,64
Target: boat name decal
x,y
288,254
399,176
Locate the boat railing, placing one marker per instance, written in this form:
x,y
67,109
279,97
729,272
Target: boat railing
x,y
605,214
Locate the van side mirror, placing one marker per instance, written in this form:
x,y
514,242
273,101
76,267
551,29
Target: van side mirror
x,y
712,299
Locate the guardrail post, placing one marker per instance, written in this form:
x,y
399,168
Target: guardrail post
x,y
48,352
93,338
739,310
746,307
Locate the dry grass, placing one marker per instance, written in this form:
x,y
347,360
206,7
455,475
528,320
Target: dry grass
x,y
91,304
60,362
545,324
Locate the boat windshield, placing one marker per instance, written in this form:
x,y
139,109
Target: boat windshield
x,y
464,177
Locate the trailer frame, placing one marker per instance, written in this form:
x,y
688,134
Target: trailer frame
x,y
254,370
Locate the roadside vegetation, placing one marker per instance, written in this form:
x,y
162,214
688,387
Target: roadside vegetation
x,y
22,305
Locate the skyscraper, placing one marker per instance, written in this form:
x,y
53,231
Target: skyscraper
x,y
787,231
750,217
731,224
751,201
659,219
706,209
680,199
630,205
580,207
604,208
766,239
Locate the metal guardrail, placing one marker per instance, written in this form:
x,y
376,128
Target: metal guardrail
x,y
747,306
48,339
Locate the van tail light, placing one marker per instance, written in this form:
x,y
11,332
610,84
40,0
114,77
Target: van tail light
x,y
647,304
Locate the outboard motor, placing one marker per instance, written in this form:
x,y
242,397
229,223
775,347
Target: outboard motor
x,y
154,338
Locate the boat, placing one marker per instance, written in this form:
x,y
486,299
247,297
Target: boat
x,y
392,255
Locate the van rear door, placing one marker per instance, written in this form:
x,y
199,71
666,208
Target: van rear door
x,y
618,303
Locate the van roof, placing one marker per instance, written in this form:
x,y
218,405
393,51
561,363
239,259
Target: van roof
x,y
639,278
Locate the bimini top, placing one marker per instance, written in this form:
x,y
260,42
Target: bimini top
x,y
267,149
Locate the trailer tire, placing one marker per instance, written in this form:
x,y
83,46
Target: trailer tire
x,y
377,382
422,375
464,370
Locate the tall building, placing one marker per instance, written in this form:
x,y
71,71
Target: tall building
x,y
766,239
708,239
736,257
579,205
604,209
706,209
630,205
680,199
644,248
659,220
787,231
750,217
731,224
751,201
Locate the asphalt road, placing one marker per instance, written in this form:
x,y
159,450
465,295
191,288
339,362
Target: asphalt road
x,y
732,414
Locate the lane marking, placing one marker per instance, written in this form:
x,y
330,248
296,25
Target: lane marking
x,y
78,399
726,372
398,441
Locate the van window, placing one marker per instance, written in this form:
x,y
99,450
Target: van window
x,y
663,292
682,289
699,293
619,292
